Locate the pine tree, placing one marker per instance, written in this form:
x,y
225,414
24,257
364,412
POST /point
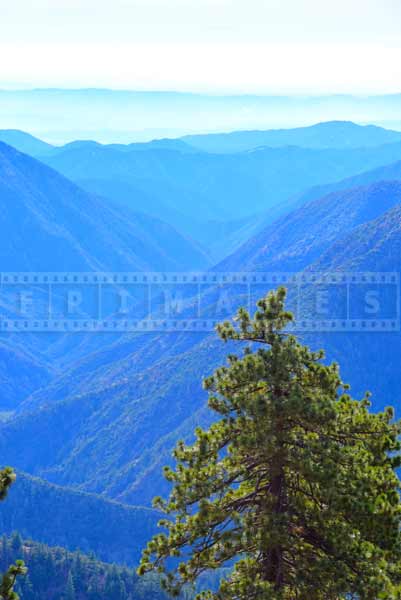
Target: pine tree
x,y
25,587
78,571
7,582
16,543
70,588
293,487
114,585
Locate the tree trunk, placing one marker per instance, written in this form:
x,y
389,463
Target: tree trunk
x,y
273,562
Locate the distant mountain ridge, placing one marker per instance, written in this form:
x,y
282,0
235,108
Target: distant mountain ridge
x,y
69,229
128,115
24,142
195,192
312,228
323,135
331,134
390,172
204,194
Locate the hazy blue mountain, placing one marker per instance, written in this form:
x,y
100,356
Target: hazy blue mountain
x,y
160,144
218,186
332,134
107,423
48,223
107,440
127,116
21,373
111,362
204,195
75,520
375,246
111,421
297,239
24,142
199,192
391,172
370,361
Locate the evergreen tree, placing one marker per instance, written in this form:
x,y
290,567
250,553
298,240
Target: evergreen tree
x,y
7,582
293,487
25,588
16,543
79,572
114,585
7,478
70,588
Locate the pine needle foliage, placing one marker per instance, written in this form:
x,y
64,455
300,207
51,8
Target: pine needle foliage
x,y
293,486
8,580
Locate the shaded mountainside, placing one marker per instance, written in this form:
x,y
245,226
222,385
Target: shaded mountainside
x,y
332,134
59,516
24,142
47,223
221,200
111,422
21,373
55,574
391,172
106,439
199,192
69,229
111,362
373,246
208,186
297,239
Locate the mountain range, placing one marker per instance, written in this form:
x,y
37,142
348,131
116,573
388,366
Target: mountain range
x,y
69,229
334,134
90,419
206,195
61,115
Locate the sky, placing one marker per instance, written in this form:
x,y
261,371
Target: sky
x,y
212,46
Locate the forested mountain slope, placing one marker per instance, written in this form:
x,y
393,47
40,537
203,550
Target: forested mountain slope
x,y
60,516
211,186
110,425
50,224
101,414
390,172
21,373
221,200
297,239
55,573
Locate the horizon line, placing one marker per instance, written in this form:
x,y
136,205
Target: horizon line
x,y
217,94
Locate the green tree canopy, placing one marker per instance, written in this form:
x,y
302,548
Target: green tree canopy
x,y
293,486
7,582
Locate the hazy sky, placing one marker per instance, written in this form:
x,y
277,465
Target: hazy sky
x,y
300,46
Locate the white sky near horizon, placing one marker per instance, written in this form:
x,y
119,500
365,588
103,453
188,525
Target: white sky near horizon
x,y
213,46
